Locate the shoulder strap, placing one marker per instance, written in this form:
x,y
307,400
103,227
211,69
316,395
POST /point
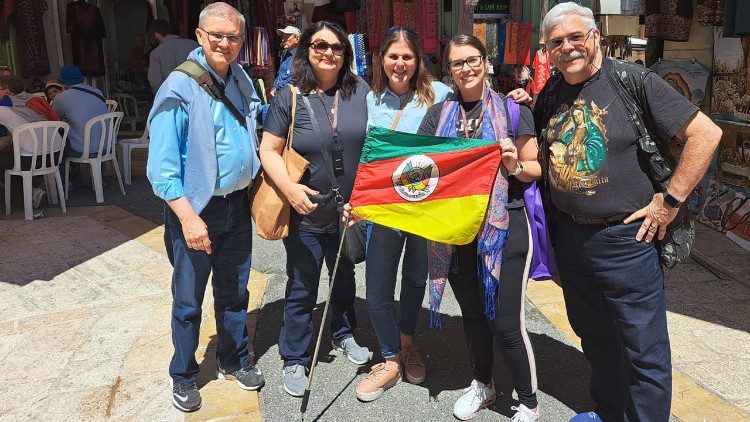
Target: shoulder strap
x,y
204,78
290,134
78,88
326,157
514,113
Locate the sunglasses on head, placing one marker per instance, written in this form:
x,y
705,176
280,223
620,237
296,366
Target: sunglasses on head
x,y
321,47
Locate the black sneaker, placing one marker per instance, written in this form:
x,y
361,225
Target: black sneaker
x,y
248,378
186,397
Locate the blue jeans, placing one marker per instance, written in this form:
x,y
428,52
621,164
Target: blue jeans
x,y
305,254
230,231
383,253
614,293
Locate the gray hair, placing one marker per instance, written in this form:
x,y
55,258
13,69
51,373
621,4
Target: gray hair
x,y
564,10
220,9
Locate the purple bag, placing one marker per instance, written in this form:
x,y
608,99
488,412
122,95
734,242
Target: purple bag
x,y
543,259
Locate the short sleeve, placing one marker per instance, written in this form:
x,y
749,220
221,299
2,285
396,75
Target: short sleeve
x,y
669,109
526,123
279,113
430,120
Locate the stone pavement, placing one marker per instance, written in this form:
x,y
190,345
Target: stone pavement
x,y
84,330
84,322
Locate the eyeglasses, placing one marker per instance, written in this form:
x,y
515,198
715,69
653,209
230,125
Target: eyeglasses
x,y
321,47
473,61
576,40
217,38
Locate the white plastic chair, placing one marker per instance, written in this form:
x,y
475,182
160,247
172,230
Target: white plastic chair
x,y
109,124
40,141
111,105
127,146
128,104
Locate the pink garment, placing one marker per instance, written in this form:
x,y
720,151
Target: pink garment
x,y
542,69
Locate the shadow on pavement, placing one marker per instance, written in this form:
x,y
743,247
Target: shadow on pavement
x,y
561,369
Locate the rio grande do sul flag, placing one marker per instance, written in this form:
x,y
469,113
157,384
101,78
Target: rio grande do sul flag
x,y
434,187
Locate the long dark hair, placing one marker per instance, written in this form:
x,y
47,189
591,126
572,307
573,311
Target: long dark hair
x,y
303,76
421,80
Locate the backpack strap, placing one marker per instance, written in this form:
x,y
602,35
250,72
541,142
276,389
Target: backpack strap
x,y
78,88
204,78
514,114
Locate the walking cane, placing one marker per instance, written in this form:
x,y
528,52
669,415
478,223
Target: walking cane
x,y
306,396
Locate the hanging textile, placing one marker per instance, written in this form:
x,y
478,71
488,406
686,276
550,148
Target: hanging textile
x,y
85,25
480,31
689,78
633,7
465,17
427,26
669,19
26,15
362,16
518,43
737,18
359,64
710,12
405,13
502,27
491,42
378,22
183,16
542,70
258,47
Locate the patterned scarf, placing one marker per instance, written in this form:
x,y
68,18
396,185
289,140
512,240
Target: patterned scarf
x,y
494,229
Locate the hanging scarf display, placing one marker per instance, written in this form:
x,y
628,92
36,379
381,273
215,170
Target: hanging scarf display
x,y
518,43
542,70
632,7
465,17
378,22
359,64
669,19
494,230
491,42
183,16
710,12
258,46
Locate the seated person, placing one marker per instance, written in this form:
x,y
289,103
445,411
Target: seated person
x,y
51,89
77,104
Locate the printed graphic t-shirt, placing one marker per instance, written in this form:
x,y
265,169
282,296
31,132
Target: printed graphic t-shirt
x,y
594,169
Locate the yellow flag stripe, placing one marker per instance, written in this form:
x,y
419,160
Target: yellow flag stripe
x,y
455,221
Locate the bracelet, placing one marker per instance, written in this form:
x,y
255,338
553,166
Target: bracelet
x,y
519,169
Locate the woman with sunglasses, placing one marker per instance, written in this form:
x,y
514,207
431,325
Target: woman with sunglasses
x,y
492,303
329,128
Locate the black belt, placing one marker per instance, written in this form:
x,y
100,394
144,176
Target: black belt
x,y
602,221
230,195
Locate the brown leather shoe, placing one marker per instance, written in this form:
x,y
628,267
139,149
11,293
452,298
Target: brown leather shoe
x,y
414,367
382,377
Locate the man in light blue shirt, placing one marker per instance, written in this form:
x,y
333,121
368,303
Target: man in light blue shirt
x,y
78,104
202,158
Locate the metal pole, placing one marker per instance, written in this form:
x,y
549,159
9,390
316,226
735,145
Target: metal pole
x,y
306,396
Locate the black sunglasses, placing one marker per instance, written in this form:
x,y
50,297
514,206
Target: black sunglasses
x,y
321,47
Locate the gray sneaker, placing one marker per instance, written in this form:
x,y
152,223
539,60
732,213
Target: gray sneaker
x,y
295,380
248,378
356,353
186,397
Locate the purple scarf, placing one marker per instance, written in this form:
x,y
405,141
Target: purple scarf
x,y
494,230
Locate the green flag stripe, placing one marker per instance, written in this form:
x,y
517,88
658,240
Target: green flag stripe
x,y
382,143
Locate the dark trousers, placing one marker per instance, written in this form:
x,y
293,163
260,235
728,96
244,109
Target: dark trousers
x,y
305,254
384,249
230,231
509,326
614,294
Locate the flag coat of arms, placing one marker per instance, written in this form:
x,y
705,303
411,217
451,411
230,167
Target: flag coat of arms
x,y
431,186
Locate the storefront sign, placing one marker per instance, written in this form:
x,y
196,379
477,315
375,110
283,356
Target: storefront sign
x,y
491,8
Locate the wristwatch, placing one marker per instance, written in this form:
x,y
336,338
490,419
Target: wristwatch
x,y
519,169
671,201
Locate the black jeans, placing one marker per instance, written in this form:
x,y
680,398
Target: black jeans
x,y
614,294
509,326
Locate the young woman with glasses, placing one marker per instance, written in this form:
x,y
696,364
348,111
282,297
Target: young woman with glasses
x,y
492,303
329,129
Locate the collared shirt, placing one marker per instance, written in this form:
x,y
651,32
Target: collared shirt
x,y
382,111
169,54
285,69
77,108
237,161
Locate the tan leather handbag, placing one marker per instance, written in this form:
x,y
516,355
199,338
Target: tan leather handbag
x,y
270,208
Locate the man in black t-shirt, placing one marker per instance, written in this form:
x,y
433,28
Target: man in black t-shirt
x,y
608,217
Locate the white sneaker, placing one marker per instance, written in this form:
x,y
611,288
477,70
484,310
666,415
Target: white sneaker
x,y
524,414
475,398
